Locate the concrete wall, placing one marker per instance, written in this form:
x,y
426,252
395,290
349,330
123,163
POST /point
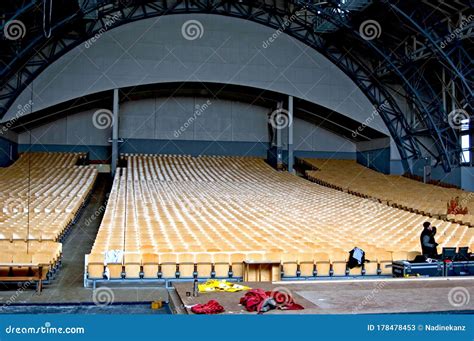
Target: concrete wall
x,y
8,152
230,51
183,125
375,154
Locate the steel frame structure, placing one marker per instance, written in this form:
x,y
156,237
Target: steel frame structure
x,y
40,52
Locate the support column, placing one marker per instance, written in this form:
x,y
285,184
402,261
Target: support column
x,y
290,134
115,130
279,142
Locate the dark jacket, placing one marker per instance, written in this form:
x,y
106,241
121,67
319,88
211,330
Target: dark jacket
x,y
428,243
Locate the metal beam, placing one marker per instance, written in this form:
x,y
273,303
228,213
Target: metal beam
x,y
290,134
115,131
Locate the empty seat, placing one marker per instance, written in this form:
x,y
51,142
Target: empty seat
x,y
203,265
371,266
115,270
95,266
399,255
132,265
384,259
22,258
339,263
323,264
237,265
150,265
186,265
306,264
168,265
5,258
42,259
289,264
221,265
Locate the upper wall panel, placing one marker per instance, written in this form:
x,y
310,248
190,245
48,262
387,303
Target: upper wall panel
x,y
230,51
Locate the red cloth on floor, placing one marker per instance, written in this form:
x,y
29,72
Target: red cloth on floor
x,y
211,307
260,301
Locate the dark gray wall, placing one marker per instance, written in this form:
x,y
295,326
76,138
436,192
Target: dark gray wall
x,y
184,125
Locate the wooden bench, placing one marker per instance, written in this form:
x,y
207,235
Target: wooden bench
x,y
38,270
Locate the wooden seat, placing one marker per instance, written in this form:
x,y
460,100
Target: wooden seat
x,y
115,270
371,266
168,265
22,258
384,259
221,265
42,259
186,265
289,264
5,258
400,255
339,263
95,266
306,264
132,265
323,263
237,266
203,265
150,265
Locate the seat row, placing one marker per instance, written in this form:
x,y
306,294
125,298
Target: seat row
x,y
225,265
399,191
26,259
41,194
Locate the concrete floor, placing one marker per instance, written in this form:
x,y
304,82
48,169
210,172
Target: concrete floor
x,y
356,297
68,285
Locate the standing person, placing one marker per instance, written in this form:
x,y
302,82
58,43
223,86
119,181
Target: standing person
x,y
428,242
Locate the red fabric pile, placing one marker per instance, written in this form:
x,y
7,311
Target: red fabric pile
x,y
261,301
211,307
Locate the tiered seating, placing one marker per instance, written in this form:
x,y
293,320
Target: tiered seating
x,y
183,216
41,194
399,191
50,187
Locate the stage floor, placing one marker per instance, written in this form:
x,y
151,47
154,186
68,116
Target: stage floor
x,y
355,296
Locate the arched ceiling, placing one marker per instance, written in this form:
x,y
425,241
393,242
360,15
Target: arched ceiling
x,y
409,50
